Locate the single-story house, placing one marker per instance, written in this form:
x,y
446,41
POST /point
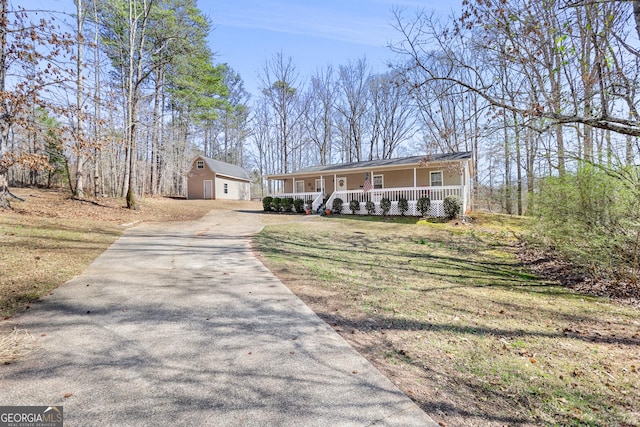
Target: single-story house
x,y
434,176
212,179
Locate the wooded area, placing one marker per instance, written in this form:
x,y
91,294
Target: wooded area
x,y
118,97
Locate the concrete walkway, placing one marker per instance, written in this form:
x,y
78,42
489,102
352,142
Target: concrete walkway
x,y
179,324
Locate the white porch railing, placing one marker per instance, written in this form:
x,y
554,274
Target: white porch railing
x,y
314,195
411,194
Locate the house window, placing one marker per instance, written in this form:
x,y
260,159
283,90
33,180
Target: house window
x,y
299,186
200,164
378,181
226,188
319,185
435,179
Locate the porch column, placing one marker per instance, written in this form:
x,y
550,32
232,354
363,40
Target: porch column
x,y
463,192
465,182
415,184
293,190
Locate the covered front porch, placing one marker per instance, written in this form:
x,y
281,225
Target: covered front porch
x,y
394,179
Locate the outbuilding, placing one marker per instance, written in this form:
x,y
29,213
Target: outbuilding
x,y
212,179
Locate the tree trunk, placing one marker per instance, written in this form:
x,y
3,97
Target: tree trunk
x,y
79,88
562,170
97,188
518,168
507,168
5,114
137,32
154,134
530,158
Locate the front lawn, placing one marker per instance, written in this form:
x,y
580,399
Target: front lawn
x,y
446,312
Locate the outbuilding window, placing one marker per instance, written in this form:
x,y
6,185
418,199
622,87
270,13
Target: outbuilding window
x,y
200,164
226,188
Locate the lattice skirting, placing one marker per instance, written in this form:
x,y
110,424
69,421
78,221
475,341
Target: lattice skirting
x,y
435,210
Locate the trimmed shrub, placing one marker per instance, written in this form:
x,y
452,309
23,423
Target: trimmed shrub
x,y
298,205
276,204
266,203
424,203
452,206
337,205
354,206
403,205
287,203
370,207
385,205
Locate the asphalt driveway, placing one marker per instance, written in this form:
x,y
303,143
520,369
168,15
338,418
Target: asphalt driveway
x,y
180,324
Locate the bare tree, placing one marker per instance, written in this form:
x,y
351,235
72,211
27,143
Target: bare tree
x,y
234,118
353,106
125,34
263,140
319,113
536,34
279,86
32,63
394,116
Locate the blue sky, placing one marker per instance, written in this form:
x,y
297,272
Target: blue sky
x,y
313,33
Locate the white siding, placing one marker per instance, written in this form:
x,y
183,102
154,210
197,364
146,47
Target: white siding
x,y
235,190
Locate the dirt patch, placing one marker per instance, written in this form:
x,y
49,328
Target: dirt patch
x,y
551,266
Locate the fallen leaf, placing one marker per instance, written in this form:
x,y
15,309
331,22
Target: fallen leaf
x,y
68,395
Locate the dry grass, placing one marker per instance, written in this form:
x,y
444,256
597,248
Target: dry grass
x,y
49,238
14,345
448,313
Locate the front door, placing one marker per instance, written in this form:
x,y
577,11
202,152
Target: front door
x,y
299,186
341,184
208,189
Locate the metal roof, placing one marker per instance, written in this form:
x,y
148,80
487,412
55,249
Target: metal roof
x,y
226,169
372,164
